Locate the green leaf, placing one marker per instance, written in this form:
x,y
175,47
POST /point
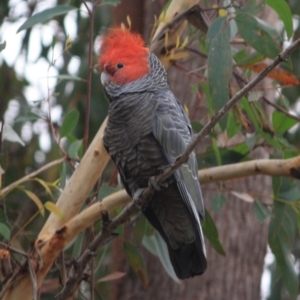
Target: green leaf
x,y
281,122
282,234
211,232
104,191
285,14
244,103
157,246
277,284
216,151
250,59
219,62
29,116
270,30
261,211
46,15
10,135
139,228
54,209
44,184
63,77
74,148
4,231
233,126
218,202
257,35
136,263
69,123
36,200
229,156
285,189
197,126
2,46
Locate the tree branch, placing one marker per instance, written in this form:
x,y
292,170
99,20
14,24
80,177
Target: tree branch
x,y
13,185
271,167
79,186
75,274
278,107
283,56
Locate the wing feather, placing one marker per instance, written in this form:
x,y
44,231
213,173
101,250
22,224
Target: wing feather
x,y
172,130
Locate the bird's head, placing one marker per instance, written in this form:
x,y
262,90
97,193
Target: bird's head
x,y
123,57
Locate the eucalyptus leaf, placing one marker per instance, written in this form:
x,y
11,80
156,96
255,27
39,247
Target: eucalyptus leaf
x,y
261,211
29,116
74,148
282,234
69,123
211,232
157,246
54,209
257,35
4,231
233,126
285,14
10,135
136,262
283,230
218,202
219,62
282,122
46,15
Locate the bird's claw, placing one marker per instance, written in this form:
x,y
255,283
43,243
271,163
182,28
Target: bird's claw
x,y
156,186
137,199
163,168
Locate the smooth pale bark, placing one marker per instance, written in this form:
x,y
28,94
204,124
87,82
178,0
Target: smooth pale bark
x,y
50,242
79,186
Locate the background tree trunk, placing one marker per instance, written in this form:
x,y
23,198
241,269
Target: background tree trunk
x,y
235,276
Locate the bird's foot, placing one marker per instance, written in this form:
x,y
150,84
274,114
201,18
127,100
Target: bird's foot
x,y
137,199
163,168
157,186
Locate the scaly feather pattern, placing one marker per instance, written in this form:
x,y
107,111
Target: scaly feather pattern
x,y
147,130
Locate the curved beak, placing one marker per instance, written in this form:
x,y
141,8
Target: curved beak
x,y
104,78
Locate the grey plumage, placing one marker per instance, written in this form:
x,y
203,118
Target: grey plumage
x,y
148,129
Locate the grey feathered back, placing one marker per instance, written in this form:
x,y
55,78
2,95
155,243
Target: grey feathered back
x,y
147,130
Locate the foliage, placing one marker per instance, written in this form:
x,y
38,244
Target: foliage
x,y
40,130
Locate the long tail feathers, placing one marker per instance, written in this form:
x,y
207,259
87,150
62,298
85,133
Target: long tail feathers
x,y
189,259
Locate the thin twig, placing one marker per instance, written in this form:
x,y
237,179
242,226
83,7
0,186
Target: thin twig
x,y
220,114
87,7
278,107
33,279
75,274
31,175
57,140
7,246
91,13
178,18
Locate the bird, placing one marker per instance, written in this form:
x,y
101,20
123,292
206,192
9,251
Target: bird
x,y
147,130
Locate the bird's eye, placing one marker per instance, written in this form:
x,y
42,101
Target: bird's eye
x,y
120,66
